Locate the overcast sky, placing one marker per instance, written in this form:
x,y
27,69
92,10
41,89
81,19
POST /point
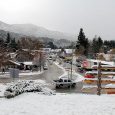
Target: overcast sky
x,y
96,17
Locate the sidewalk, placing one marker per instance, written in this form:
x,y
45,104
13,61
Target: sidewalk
x,y
21,74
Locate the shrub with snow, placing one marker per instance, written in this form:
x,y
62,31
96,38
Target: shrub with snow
x,y
20,87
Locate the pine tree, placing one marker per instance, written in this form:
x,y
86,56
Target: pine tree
x,y
8,39
51,45
1,42
81,37
100,42
18,45
13,44
82,41
97,44
94,45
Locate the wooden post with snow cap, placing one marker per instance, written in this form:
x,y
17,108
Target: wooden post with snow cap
x,y
99,80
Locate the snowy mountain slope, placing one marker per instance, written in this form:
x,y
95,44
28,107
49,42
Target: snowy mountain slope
x,y
3,34
33,30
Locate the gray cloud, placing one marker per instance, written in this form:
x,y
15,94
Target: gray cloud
x,y
95,16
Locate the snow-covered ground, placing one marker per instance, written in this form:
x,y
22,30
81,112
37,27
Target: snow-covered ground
x,y
2,89
59,104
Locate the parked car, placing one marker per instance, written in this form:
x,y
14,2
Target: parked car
x,y
89,76
50,58
80,69
78,64
45,67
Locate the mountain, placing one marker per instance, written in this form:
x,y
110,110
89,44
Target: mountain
x,y
33,30
28,30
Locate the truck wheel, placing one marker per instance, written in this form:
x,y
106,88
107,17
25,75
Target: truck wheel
x,y
61,85
73,85
57,87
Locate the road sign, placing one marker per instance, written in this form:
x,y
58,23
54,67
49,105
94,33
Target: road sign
x,y
14,73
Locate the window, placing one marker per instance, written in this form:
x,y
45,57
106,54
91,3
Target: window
x,y
95,63
65,80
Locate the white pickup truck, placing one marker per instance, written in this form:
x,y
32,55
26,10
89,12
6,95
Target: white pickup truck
x,y
64,82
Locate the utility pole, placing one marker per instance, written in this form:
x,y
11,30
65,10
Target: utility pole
x,y
72,60
71,68
40,61
99,80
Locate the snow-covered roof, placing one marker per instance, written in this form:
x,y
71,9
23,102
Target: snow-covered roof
x,y
13,55
25,49
69,51
103,62
110,86
96,72
108,66
95,79
14,62
28,63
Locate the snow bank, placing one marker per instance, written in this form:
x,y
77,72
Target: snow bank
x,y
89,86
61,67
79,77
2,89
20,87
4,75
30,73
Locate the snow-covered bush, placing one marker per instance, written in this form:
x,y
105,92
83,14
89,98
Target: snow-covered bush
x,y
20,87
